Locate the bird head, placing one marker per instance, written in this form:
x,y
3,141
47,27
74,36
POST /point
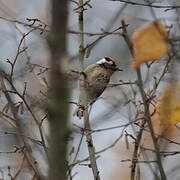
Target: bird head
x,y
109,63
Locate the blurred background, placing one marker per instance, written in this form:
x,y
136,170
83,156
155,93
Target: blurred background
x,y
24,27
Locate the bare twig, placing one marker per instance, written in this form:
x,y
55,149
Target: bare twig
x,y
20,169
91,147
92,44
147,4
30,111
121,84
19,51
110,128
100,151
19,134
14,111
135,153
78,149
32,24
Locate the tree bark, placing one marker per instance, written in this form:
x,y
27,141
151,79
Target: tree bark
x,y
59,93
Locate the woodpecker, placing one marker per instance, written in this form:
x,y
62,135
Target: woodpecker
x,y
95,81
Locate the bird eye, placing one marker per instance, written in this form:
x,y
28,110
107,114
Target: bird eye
x,y
111,60
107,59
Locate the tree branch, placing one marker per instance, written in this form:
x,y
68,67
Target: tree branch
x,y
86,115
146,102
58,105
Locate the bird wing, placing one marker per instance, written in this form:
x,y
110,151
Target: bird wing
x,y
94,84
96,81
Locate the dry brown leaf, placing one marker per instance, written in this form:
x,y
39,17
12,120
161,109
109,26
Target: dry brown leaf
x,y
150,43
168,106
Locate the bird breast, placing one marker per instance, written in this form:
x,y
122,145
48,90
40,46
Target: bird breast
x,y
96,81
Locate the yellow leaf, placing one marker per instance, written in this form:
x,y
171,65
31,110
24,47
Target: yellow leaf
x,y
150,43
168,106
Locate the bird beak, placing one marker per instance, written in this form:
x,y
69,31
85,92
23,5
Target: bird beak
x,y
117,69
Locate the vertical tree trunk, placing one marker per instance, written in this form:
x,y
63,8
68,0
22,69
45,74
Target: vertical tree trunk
x,y
59,93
